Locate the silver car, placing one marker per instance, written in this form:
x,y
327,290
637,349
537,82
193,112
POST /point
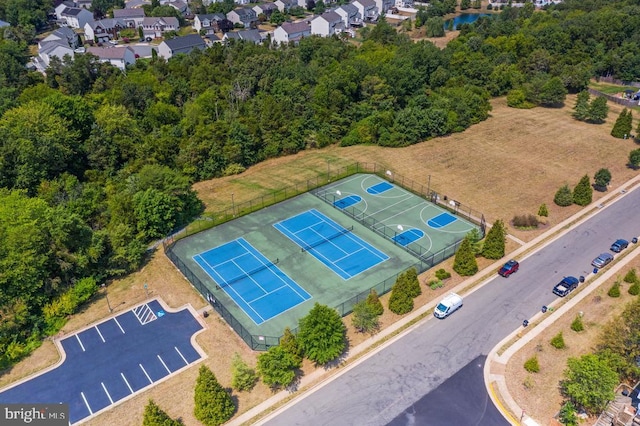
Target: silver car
x,y
603,260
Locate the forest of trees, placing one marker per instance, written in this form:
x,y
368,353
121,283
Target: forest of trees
x,y
95,164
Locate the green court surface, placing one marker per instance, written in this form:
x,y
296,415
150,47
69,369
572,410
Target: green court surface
x,y
401,225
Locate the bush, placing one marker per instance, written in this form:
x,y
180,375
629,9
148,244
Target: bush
x,y
516,98
213,404
465,261
583,193
442,274
634,289
602,178
614,291
400,302
532,365
525,221
577,324
543,211
233,169
631,276
364,318
374,302
321,334
243,378
563,196
567,415
558,341
435,284
494,244
411,282
155,416
289,344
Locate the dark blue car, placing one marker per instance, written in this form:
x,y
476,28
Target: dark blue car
x,y
619,245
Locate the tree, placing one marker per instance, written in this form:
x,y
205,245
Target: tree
x,y
277,17
277,367
614,291
583,192
243,377
577,324
365,319
322,334
634,158
494,244
543,211
553,92
567,415
289,343
213,404
598,110
465,261
434,27
411,282
581,110
155,416
400,302
374,302
465,4
589,382
602,179
623,125
631,276
475,237
563,197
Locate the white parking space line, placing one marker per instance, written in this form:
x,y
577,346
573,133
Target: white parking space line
x,y
107,392
145,373
182,356
86,403
98,330
80,341
121,329
127,382
165,365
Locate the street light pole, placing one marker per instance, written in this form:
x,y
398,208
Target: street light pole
x,y
106,295
146,289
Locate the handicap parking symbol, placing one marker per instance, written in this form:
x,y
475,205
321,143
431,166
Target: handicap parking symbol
x,y
160,313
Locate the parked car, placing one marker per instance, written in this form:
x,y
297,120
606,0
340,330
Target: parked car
x,y
619,245
509,268
566,286
451,303
603,260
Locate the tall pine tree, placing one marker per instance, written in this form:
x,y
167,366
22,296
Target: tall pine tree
x,y
581,110
583,193
622,127
213,404
494,245
155,416
465,261
598,110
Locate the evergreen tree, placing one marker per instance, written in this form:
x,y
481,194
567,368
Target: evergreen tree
x,y
494,244
155,416
277,367
563,196
412,283
543,211
374,301
243,378
581,110
598,110
364,318
289,343
475,237
602,178
465,261
622,127
583,193
213,404
321,334
634,158
400,302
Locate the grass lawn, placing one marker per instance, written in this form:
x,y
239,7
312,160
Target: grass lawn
x,y
507,165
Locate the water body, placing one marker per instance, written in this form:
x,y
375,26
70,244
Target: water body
x,y
464,18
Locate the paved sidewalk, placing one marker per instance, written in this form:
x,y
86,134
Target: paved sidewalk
x,y
388,336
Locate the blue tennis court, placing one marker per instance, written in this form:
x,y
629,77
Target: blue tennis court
x,y
442,220
337,247
256,285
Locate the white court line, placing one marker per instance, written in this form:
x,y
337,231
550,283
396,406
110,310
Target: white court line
x,y
182,356
86,403
165,365
98,330
121,329
107,392
80,341
127,382
145,373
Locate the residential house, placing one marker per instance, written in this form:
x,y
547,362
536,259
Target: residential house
x,y
242,2
252,36
84,4
75,17
207,22
350,15
184,44
244,16
133,4
118,56
59,43
64,35
211,39
179,5
367,9
61,7
384,5
285,5
291,32
103,30
265,9
156,27
327,24
133,18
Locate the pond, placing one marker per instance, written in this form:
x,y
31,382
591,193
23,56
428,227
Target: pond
x,y
464,18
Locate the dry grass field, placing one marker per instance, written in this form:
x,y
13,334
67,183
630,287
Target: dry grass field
x,y
507,165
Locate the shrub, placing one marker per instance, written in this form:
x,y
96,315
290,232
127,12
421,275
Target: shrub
x,y
528,382
532,365
233,169
155,416
602,179
243,378
634,158
364,318
563,196
442,274
567,415
543,211
374,302
558,341
400,302
321,334
622,127
412,283
435,284
525,221
631,276
277,367
517,98
213,404
577,324
614,291
465,261
289,344
494,244
583,193
634,289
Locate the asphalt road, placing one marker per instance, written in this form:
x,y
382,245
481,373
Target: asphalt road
x,y
405,377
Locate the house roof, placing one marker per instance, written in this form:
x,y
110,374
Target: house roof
x,y
366,3
72,11
267,6
209,16
106,23
65,33
250,35
231,35
170,20
4,24
330,16
212,37
110,52
50,46
296,27
290,3
349,8
132,4
179,5
244,12
191,40
128,13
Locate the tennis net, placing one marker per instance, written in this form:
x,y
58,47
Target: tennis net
x,y
327,239
249,273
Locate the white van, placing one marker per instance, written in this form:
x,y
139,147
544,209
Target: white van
x,y
451,303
